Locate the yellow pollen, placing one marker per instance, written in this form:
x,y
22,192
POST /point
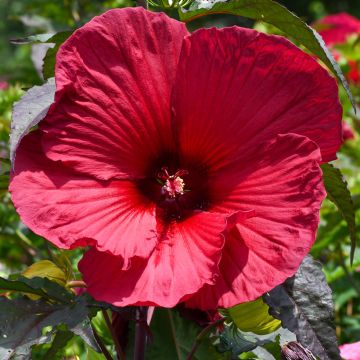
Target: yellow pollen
x,y
174,186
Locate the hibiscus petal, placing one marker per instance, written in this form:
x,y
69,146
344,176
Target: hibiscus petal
x,y
71,209
114,77
283,185
236,88
185,259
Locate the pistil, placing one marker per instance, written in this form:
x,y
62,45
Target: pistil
x,y
173,185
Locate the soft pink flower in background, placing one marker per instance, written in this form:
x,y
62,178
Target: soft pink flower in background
x,y
3,85
335,29
350,351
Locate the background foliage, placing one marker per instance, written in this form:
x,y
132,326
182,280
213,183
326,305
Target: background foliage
x,y
19,247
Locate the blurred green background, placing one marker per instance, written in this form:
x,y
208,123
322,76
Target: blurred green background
x,y
19,18
20,247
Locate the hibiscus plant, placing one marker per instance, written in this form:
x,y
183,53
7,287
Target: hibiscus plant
x,y
169,176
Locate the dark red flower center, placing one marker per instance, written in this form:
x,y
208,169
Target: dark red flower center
x,y
173,185
178,190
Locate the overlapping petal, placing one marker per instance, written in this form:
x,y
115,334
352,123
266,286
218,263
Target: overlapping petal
x,y
114,77
236,88
185,259
72,209
283,185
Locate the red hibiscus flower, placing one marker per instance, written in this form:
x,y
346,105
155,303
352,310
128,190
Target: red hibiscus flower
x,y
348,132
3,85
189,163
335,29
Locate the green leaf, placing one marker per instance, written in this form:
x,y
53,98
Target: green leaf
x,y
44,287
174,336
45,268
49,38
339,194
29,111
61,339
33,39
93,355
233,340
11,285
4,182
254,316
277,15
50,57
22,322
304,305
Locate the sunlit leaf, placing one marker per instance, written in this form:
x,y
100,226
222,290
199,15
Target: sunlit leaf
x,y
45,268
254,316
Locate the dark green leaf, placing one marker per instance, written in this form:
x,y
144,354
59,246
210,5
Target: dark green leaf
x,y
61,339
11,285
277,15
38,286
237,342
29,111
174,336
339,194
4,181
22,321
304,305
50,57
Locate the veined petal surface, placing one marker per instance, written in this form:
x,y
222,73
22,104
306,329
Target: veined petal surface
x,y
283,185
71,209
114,76
236,88
185,259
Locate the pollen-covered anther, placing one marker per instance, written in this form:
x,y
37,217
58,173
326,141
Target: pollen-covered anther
x,y
174,185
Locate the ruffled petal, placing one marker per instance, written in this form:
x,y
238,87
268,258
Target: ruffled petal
x,y
114,76
71,209
236,88
283,185
185,259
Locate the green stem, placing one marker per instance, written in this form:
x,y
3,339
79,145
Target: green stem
x,y
76,284
101,344
119,351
